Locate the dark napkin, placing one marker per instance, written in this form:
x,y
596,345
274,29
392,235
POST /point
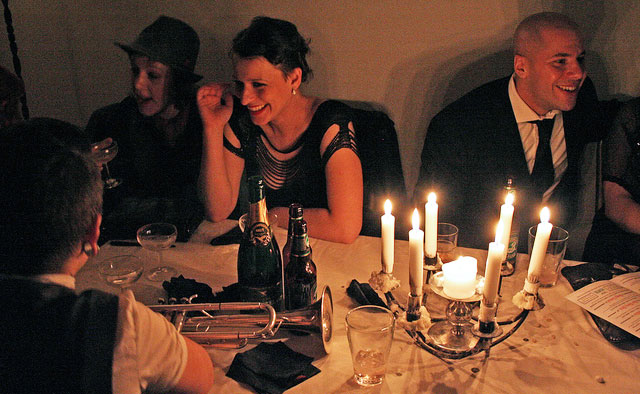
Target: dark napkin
x,y
271,368
584,274
181,287
364,294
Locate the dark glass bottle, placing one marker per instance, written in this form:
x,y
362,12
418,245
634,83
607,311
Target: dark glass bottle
x,y
295,215
259,262
300,275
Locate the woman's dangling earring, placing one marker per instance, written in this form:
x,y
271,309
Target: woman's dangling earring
x,y
293,91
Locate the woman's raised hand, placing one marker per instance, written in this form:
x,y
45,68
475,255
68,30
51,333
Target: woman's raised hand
x,y
215,104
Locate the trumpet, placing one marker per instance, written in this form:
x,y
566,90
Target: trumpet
x,y
231,325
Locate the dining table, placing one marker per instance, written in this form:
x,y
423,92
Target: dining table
x,y
558,349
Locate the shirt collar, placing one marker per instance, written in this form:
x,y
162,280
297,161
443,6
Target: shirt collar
x,y
65,280
521,110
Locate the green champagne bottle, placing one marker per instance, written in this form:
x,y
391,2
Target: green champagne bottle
x,y
259,264
300,275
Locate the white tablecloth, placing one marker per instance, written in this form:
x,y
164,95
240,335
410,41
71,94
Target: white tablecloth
x,y
557,349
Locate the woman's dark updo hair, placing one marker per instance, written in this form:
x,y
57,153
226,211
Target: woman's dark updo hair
x,y
276,40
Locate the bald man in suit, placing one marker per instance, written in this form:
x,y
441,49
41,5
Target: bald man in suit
x,y
490,134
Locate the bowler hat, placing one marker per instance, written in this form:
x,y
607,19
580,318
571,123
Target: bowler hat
x,y
169,41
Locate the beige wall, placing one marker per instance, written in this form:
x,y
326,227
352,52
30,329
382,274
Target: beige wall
x,y
409,58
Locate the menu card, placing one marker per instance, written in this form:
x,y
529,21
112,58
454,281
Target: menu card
x,y
616,300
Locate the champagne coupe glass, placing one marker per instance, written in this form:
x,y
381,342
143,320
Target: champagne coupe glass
x,y
158,237
121,271
103,152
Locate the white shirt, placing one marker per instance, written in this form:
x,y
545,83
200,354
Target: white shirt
x,y
149,353
529,136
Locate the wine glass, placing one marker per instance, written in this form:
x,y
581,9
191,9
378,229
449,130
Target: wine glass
x,y
103,152
158,237
121,271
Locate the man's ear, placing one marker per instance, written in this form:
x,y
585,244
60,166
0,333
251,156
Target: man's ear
x,y
94,234
520,66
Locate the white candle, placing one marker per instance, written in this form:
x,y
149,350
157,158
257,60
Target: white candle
x,y
416,255
388,223
539,249
492,270
460,277
431,226
506,217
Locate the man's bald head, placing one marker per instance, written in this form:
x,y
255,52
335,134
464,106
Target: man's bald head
x,y
527,36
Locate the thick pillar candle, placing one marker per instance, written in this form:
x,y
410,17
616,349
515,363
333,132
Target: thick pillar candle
x,y
460,277
388,223
416,255
506,217
492,270
540,244
431,226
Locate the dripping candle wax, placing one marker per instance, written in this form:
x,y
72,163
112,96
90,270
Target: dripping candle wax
x,y
431,226
492,270
540,244
387,230
416,239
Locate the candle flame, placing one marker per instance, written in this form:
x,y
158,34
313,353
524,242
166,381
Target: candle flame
x,y
415,219
387,207
509,199
499,231
545,215
431,198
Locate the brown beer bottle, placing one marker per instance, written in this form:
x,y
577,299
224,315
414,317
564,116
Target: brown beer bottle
x,y
300,275
295,215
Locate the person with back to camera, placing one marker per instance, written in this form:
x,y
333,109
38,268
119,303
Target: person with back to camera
x,y
615,234
55,340
489,135
159,134
304,147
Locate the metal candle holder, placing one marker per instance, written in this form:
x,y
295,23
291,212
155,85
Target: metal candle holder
x,y
487,330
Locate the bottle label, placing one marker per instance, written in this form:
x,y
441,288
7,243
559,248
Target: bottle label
x,y
301,293
259,234
512,250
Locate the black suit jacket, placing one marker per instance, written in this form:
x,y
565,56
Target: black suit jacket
x,y
472,147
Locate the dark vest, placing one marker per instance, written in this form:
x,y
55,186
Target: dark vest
x,y
53,340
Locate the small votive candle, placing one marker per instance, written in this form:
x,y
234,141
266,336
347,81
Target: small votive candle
x,y
460,277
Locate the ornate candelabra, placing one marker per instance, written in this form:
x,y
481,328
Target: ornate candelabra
x,y
459,335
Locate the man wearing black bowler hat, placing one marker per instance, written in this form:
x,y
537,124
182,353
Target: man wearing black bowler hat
x,y
531,127
159,134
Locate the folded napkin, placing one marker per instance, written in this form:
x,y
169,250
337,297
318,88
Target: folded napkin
x,y
271,368
363,294
181,287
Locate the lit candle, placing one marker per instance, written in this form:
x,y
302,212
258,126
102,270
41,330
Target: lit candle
x,y
388,223
416,255
506,217
460,277
539,249
431,226
492,270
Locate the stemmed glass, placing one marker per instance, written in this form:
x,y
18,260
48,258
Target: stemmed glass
x,y
158,237
103,152
121,271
